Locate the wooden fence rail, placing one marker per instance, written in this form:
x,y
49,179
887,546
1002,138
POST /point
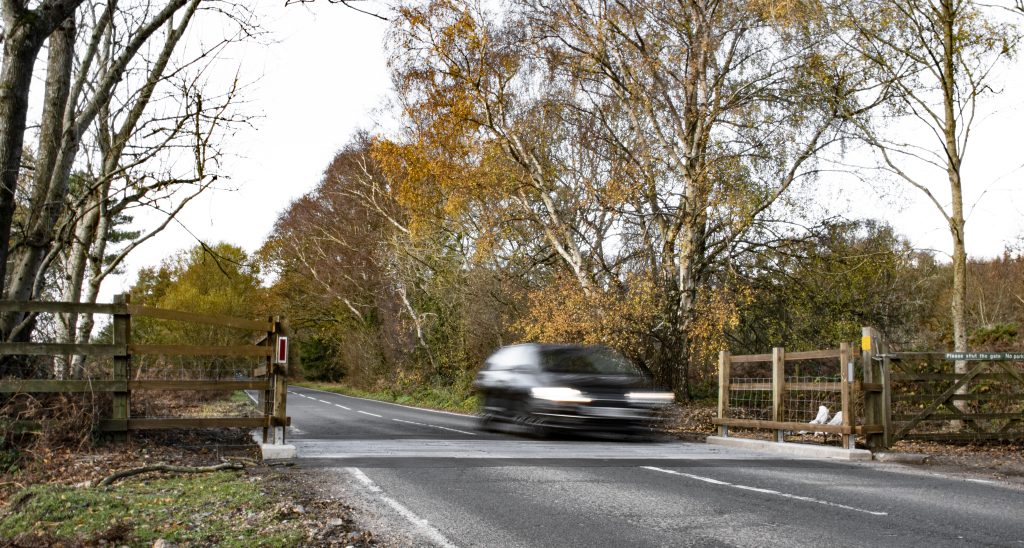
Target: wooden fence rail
x,y
271,382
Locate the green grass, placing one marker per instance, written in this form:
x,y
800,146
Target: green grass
x,y
222,508
428,396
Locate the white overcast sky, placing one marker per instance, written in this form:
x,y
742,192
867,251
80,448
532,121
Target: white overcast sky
x,y
325,75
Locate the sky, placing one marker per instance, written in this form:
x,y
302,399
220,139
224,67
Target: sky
x,y
317,83
323,77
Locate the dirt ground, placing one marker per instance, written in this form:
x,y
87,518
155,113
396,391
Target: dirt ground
x,y
327,520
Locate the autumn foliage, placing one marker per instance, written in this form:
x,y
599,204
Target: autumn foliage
x,y
631,174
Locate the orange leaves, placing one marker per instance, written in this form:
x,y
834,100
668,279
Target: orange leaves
x,y
431,184
618,317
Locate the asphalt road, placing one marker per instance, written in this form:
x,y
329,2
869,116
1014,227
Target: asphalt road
x,y
441,482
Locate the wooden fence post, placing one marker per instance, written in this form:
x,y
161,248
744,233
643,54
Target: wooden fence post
x,y
267,396
845,376
122,332
724,365
874,412
778,388
280,387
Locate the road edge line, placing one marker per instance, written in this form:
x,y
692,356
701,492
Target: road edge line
x,y
384,402
423,525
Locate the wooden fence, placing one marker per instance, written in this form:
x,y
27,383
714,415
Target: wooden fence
x,y
788,400
900,395
268,378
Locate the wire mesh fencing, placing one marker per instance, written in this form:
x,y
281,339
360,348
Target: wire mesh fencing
x,y
158,368
195,403
801,396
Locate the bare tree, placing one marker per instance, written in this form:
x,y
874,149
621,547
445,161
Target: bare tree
x,y
936,59
347,3
129,121
59,144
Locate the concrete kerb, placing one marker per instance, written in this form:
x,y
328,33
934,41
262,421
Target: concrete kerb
x,y
272,451
793,449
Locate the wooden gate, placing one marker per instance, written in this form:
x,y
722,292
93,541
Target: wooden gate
x,y
932,402
116,366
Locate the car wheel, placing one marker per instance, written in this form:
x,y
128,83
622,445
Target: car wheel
x,y
486,423
488,415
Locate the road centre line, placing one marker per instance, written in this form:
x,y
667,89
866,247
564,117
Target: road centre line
x,y
435,426
342,406
371,414
389,403
420,523
765,491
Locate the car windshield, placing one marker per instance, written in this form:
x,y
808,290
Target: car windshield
x,y
588,361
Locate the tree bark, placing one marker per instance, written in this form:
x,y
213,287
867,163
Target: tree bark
x,y
46,204
26,30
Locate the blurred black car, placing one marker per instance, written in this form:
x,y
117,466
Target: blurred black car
x,y
550,387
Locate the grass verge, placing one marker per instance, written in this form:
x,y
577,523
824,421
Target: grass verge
x,y
428,396
223,508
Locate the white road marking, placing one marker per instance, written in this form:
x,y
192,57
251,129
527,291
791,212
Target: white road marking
x,y
423,525
435,426
371,414
391,403
324,401
451,429
342,406
765,491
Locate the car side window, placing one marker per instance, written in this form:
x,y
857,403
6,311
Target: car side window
x,y
511,358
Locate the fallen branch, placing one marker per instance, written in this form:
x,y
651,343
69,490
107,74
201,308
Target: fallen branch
x,y
241,460
161,467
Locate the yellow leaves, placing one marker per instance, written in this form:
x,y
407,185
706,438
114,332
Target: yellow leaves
x,y
785,12
717,313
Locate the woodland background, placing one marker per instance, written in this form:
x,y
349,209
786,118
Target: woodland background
x,y
644,175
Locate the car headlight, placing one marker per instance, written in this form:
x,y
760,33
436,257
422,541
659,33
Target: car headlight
x,y
559,393
651,397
